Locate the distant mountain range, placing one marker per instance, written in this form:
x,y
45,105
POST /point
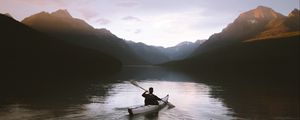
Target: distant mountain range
x,y
50,48
257,36
258,39
61,25
159,55
182,50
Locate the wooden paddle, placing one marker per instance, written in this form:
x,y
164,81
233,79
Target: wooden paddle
x,y
137,85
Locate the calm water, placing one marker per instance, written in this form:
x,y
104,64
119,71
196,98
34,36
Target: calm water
x,y
195,98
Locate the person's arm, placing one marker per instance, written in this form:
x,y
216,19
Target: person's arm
x,y
144,94
157,98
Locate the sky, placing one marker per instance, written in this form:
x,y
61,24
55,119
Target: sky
x,y
154,22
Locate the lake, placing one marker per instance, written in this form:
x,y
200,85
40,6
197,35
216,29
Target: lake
x,y
196,97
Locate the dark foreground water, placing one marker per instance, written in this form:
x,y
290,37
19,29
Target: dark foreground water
x,y
196,97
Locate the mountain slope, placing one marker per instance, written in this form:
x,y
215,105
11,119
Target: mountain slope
x,y
241,47
30,58
62,25
284,25
8,15
250,23
269,53
261,22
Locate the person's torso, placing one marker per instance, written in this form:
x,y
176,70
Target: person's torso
x,y
151,99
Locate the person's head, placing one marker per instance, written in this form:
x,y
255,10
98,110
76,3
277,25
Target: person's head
x,y
151,90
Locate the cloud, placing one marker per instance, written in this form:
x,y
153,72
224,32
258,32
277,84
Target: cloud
x,y
131,18
88,13
103,21
137,31
59,3
35,2
127,3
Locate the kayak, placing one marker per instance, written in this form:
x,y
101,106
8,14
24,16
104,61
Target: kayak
x,y
149,108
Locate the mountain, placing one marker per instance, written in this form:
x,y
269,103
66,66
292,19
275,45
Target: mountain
x,y
57,22
152,54
7,14
293,20
181,50
282,26
60,24
31,58
261,22
244,46
249,24
159,55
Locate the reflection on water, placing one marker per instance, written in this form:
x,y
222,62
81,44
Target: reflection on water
x,y
192,101
195,98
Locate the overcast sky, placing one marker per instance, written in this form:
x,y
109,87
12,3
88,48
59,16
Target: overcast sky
x,y
154,22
